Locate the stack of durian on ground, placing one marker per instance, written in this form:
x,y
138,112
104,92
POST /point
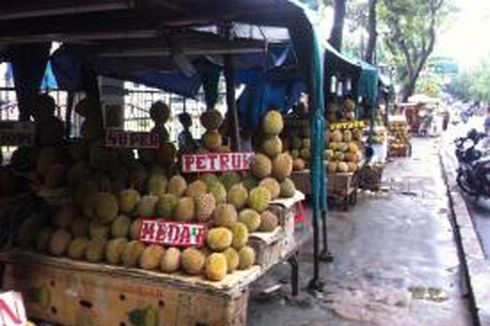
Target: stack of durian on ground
x,y
112,191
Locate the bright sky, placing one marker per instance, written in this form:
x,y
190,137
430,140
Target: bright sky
x,y
466,39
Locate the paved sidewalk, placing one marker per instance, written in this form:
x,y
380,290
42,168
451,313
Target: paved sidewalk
x,y
396,261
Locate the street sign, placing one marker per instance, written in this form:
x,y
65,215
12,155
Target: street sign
x,y
17,133
175,234
12,310
115,138
216,162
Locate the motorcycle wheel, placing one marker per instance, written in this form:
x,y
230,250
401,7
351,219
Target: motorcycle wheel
x,y
461,181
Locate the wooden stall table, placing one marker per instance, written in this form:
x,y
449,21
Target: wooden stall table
x,y
342,187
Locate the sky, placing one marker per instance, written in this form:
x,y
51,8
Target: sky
x,y
466,38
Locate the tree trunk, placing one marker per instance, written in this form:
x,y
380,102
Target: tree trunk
x,y
373,34
338,25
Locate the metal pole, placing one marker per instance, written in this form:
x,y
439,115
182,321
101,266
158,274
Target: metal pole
x,y
230,97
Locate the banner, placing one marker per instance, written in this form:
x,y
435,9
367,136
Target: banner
x,y
17,133
216,162
175,234
12,310
347,125
115,138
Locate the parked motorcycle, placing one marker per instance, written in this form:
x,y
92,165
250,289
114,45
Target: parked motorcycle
x,y
474,171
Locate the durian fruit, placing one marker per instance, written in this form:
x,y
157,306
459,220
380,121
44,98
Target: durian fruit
x,y
306,143
218,239
55,176
65,216
218,191
250,181
282,166
232,259
159,113
77,248
138,177
114,250
166,154
336,136
225,215
229,179
209,178
46,158
211,119
332,167
157,184
342,167
192,261
238,196
177,186
259,199
185,210
297,143
272,185
196,189
166,205
105,207
246,257
272,146
132,253
43,238
98,231
240,235
170,261
295,154
59,242
94,253
79,227
261,166
347,136
134,230
151,257
128,199
28,230
352,166
147,205
299,164
205,206
352,147
288,189
212,140
83,191
76,173
216,267
250,218
120,226
268,221
272,124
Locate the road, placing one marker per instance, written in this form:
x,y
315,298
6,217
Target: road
x,y
479,210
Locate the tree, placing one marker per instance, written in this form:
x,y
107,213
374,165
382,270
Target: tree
x,y
410,36
338,24
472,85
372,32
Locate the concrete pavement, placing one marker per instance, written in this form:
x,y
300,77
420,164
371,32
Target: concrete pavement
x,y
396,259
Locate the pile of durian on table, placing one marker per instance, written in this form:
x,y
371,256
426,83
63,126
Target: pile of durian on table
x,y
111,191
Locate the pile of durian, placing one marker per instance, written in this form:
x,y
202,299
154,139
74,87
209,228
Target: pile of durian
x,y
344,151
111,191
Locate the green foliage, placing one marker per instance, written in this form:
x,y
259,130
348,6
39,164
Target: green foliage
x,y
472,84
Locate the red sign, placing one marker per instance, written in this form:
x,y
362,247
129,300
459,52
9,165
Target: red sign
x,y
216,162
17,133
128,139
12,310
172,233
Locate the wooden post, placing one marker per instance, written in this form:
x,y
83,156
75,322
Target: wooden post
x,y
230,97
68,114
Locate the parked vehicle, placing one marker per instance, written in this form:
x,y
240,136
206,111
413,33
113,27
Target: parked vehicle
x,y
474,170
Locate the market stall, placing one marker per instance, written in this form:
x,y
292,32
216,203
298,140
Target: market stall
x,y
216,229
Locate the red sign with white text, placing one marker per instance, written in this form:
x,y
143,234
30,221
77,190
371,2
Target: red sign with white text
x,y
216,162
174,234
128,139
12,310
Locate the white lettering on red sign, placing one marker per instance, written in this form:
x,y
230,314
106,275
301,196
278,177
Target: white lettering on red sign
x,y
174,234
17,133
128,139
12,310
216,162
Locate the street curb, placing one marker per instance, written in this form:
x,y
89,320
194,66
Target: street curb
x,y
475,267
